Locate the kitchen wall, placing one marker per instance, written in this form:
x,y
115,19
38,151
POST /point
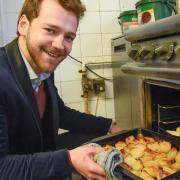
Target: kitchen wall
x,y
92,44
178,5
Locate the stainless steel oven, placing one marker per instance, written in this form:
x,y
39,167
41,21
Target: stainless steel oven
x,y
155,55
126,94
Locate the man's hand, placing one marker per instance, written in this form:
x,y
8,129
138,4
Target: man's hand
x,y
114,128
82,159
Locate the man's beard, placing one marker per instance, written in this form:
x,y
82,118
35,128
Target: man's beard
x,y
33,51
36,51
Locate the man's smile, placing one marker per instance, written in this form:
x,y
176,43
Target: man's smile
x,y
52,54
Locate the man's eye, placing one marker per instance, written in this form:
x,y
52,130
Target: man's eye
x,y
69,38
49,30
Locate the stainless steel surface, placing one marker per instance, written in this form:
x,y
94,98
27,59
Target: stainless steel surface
x,y
165,63
166,71
119,48
157,55
126,97
166,26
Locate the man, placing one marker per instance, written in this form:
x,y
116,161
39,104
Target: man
x,y
31,112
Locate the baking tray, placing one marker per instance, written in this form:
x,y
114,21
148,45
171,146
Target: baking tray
x,y
113,138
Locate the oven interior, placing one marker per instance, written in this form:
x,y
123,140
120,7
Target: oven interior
x,y
162,107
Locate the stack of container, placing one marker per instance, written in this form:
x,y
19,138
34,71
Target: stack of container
x,y
128,19
152,10
146,11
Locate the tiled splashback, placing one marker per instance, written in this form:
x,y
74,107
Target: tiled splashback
x,y
92,44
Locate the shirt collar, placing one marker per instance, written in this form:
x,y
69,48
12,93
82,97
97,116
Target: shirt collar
x,y
35,79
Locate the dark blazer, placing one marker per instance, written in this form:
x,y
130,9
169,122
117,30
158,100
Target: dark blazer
x,y
25,139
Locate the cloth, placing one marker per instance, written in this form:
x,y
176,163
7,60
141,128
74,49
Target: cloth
x,y
27,142
109,161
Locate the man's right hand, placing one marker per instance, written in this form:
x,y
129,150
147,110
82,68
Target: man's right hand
x,y
82,159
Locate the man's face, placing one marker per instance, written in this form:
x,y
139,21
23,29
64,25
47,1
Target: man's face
x,y
47,40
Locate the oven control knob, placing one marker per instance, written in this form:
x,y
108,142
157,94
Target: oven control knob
x,y
146,52
177,50
165,51
133,52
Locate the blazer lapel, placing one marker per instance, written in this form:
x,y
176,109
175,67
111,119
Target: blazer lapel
x,y
22,77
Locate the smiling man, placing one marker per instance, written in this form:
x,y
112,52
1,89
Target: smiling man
x,y
47,40
31,111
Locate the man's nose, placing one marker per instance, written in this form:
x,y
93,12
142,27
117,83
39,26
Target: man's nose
x,y
58,42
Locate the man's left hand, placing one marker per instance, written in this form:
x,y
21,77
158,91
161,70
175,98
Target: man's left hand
x,y
114,128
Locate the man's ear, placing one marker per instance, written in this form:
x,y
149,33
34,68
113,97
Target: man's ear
x,y
23,25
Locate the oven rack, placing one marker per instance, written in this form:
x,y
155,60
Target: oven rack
x,y
167,121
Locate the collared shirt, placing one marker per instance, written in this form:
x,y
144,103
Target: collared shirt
x,y
35,79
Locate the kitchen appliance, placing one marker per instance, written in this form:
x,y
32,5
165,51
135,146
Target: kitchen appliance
x,y
155,55
126,97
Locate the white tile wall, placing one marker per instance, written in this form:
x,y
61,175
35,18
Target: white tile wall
x,y
178,6
107,72
92,59
92,44
57,77
109,22
125,6
90,23
97,107
110,108
91,5
76,51
79,106
106,43
71,91
107,58
106,5
69,67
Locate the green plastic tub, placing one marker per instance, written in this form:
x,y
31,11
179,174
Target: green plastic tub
x,y
128,19
152,10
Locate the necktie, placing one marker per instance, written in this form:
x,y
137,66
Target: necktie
x,y
41,99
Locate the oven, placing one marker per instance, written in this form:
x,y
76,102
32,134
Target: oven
x,y
155,61
125,86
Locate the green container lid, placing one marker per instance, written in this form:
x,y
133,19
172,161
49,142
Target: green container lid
x,y
128,19
126,13
152,1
